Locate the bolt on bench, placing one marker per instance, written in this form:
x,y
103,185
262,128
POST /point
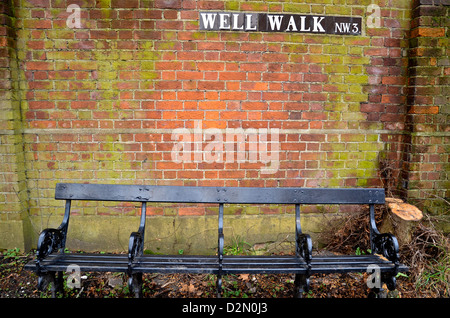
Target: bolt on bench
x,y
51,261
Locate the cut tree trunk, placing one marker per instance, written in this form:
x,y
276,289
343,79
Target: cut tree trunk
x,y
401,220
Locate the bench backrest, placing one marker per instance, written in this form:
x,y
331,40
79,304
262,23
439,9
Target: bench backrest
x,y
230,195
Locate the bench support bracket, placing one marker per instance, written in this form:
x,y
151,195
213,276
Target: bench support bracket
x,y
136,249
303,249
220,251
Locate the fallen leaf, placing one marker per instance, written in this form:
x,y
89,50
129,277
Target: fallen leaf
x,y
184,287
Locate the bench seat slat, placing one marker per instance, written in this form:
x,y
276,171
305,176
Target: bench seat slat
x,y
209,264
86,261
319,264
177,264
345,264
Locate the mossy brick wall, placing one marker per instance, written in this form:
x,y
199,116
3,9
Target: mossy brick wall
x,y
100,102
14,222
429,104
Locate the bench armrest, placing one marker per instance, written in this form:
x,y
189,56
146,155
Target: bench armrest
x,y
303,242
135,246
221,241
386,245
50,241
304,247
136,242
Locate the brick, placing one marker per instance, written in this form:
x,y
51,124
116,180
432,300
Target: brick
x,y
82,65
233,95
211,85
393,80
37,24
215,105
146,35
257,86
37,3
83,104
372,108
232,76
424,110
312,137
41,105
316,78
254,106
231,174
84,124
39,65
187,174
314,116
276,77
190,95
314,97
428,32
124,4
190,115
43,124
168,4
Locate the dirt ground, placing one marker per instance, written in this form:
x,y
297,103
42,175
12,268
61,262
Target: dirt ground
x,y
18,283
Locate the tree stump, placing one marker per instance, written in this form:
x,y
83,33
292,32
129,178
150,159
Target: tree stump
x,y
401,220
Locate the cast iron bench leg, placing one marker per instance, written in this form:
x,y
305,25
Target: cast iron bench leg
x,y
55,279
135,284
301,284
377,293
219,286
388,280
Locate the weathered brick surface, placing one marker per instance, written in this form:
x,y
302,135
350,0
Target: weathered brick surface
x,y
429,103
100,103
13,190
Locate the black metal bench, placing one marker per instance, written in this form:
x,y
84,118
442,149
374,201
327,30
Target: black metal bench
x,y
51,261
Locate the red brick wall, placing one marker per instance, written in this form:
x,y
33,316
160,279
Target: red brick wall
x,y
102,100
136,70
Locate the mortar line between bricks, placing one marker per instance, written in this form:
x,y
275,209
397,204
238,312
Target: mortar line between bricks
x,y
168,131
